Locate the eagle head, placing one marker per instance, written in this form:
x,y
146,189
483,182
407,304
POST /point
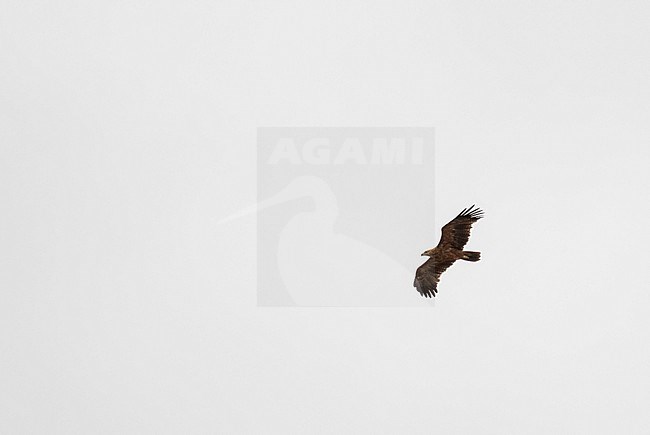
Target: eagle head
x,y
427,253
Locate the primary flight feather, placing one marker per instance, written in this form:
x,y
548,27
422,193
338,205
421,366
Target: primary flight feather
x,y
450,248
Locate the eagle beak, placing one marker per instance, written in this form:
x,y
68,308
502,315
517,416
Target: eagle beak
x,y
423,254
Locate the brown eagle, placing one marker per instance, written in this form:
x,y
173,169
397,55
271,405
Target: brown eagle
x,y
450,248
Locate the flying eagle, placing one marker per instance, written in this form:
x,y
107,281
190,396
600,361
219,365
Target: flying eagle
x,y
450,248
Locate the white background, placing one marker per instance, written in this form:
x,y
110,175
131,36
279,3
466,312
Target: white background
x,y
128,129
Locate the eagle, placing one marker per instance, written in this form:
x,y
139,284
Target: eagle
x,y
450,248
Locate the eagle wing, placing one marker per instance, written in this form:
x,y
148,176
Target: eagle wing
x,y
428,275
456,233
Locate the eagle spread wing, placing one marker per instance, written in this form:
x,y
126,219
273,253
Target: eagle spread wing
x,y
428,275
456,233
454,238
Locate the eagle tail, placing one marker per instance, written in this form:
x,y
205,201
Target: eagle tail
x,y
471,256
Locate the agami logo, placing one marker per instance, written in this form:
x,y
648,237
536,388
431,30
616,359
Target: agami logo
x,y
349,150
338,215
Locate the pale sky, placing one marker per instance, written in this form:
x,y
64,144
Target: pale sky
x,y
128,130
